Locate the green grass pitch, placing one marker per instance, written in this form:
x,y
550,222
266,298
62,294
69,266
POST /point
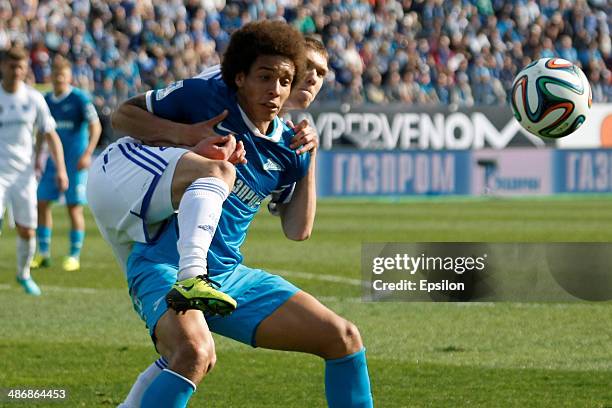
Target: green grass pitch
x,y
82,334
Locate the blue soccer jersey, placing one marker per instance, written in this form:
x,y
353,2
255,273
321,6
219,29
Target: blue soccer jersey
x,y
273,167
73,113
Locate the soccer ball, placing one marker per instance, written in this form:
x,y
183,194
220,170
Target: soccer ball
x,y
551,97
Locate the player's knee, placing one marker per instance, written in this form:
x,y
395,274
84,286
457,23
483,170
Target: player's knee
x,y
205,358
24,232
351,338
192,167
211,362
42,205
196,357
345,340
223,170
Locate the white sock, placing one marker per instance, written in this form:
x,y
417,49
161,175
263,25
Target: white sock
x,y
25,252
199,212
142,383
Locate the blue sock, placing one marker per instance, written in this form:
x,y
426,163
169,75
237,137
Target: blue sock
x,y
347,383
76,242
43,235
168,390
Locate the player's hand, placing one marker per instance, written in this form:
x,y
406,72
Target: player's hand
x,y
222,148
239,155
38,167
306,138
202,130
84,162
61,179
216,147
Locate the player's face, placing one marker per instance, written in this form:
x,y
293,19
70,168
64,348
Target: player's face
x,y
302,95
266,87
61,79
14,70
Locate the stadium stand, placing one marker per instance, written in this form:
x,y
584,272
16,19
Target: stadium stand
x,y
462,52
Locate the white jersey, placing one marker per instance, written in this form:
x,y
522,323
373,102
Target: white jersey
x,y
20,114
126,181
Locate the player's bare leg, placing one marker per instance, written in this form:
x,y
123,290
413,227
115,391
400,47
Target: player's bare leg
x,y
192,166
43,234
304,324
187,344
199,188
26,247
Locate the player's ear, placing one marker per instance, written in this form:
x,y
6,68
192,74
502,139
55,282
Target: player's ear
x,y
239,79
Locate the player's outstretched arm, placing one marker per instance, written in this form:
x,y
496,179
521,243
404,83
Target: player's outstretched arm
x,y
297,216
133,118
57,154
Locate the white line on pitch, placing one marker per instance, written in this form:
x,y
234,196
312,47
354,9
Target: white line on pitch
x,y
46,288
321,277
338,279
94,290
295,274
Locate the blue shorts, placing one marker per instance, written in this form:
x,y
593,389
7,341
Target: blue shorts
x,y
257,292
77,187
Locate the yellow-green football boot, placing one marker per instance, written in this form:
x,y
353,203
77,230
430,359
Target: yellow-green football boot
x,y
40,261
71,264
198,293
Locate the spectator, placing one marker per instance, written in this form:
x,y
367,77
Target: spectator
x,y
425,51
373,91
565,49
462,91
408,89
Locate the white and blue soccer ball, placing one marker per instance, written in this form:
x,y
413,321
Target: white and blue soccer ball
x,y
551,97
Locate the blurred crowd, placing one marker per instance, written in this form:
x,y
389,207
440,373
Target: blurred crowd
x,y
450,52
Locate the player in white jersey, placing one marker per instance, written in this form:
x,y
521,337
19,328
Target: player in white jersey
x,y
23,111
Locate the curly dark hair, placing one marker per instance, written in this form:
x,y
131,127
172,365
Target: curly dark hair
x,y
263,38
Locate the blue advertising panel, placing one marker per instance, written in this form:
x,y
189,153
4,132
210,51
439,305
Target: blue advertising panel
x,y
582,171
363,173
512,172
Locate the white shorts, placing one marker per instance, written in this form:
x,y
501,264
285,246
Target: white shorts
x,y
129,191
19,191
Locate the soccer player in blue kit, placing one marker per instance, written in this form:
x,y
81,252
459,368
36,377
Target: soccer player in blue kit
x,y
258,73
79,129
